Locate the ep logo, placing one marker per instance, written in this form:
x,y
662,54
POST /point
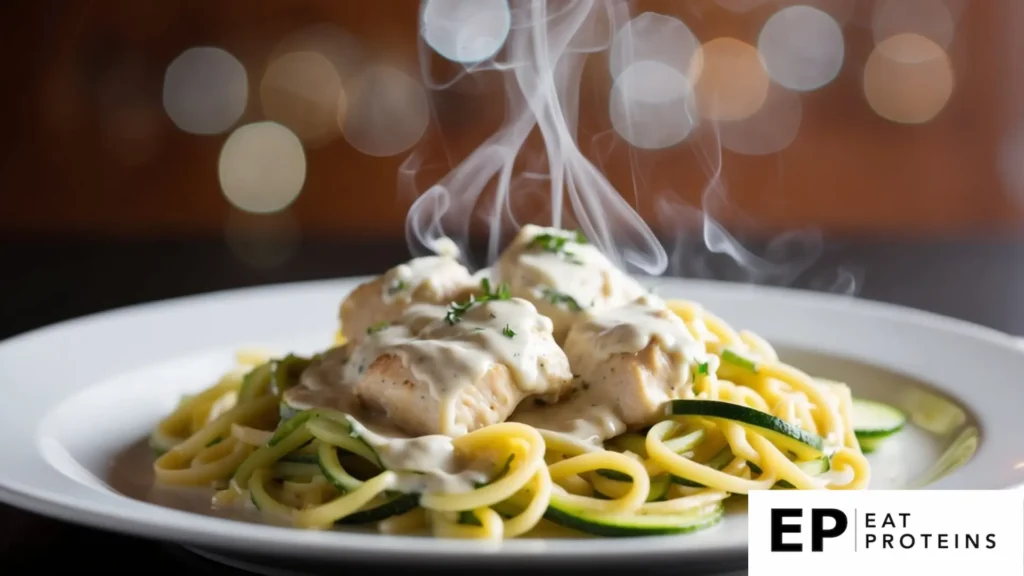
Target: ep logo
x,y
822,523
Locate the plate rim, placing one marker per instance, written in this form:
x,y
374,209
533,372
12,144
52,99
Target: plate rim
x,y
196,529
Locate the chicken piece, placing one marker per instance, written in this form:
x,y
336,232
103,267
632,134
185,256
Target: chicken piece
x,y
564,276
391,387
430,279
630,361
455,370
318,386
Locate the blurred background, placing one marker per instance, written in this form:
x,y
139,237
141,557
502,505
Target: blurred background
x,y
191,145
158,148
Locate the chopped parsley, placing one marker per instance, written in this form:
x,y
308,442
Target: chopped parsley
x,y
378,327
555,243
556,297
508,332
397,286
501,294
457,309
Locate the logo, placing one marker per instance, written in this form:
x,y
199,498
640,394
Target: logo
x,y
876,533
818,531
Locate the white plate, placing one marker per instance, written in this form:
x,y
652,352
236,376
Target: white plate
x,y
77,395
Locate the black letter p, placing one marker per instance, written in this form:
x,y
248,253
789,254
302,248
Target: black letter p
x,y
818,532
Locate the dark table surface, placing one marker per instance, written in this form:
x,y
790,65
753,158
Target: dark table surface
x,y
52,279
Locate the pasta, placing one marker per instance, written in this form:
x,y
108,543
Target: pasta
x,y
565,395
292,472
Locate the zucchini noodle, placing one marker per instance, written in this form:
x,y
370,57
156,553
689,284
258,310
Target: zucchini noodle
x,y
748,422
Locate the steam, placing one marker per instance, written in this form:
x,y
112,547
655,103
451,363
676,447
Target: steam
x,y
545,53
704,248
504,180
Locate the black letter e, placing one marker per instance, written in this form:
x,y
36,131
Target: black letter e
x,y
779,528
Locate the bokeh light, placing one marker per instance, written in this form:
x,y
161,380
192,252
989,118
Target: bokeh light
x,y
341,48
653,37
303,91
769,130
802,47
908,79
205,90
262,167
651,105
929,18
466,31
387,112
732,83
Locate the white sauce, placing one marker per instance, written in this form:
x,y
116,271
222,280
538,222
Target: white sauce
x,y
579,271
621,387
424,465
445,246
629,329
440,383
321,385
448,361
580,417
429,279
437,375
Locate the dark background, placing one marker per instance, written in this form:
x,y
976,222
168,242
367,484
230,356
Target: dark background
x,y
107,202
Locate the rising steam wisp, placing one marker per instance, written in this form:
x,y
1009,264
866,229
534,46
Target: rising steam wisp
x,y
542,62
547,46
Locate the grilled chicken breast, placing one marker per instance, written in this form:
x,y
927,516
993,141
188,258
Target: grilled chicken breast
x,y
430,279
564,276
454,370
630,361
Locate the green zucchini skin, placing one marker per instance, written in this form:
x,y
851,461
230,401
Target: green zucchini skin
x,y
804,444
631,525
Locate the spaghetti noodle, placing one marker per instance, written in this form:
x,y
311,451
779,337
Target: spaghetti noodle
x,y
747,422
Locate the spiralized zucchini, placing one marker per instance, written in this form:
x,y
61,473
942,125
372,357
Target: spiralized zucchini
x,y
749,422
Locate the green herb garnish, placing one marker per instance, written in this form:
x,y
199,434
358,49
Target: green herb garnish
x,y
397,286
508,332
378,327
503,292
556,297
457,309
548,242
702,368
555,243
